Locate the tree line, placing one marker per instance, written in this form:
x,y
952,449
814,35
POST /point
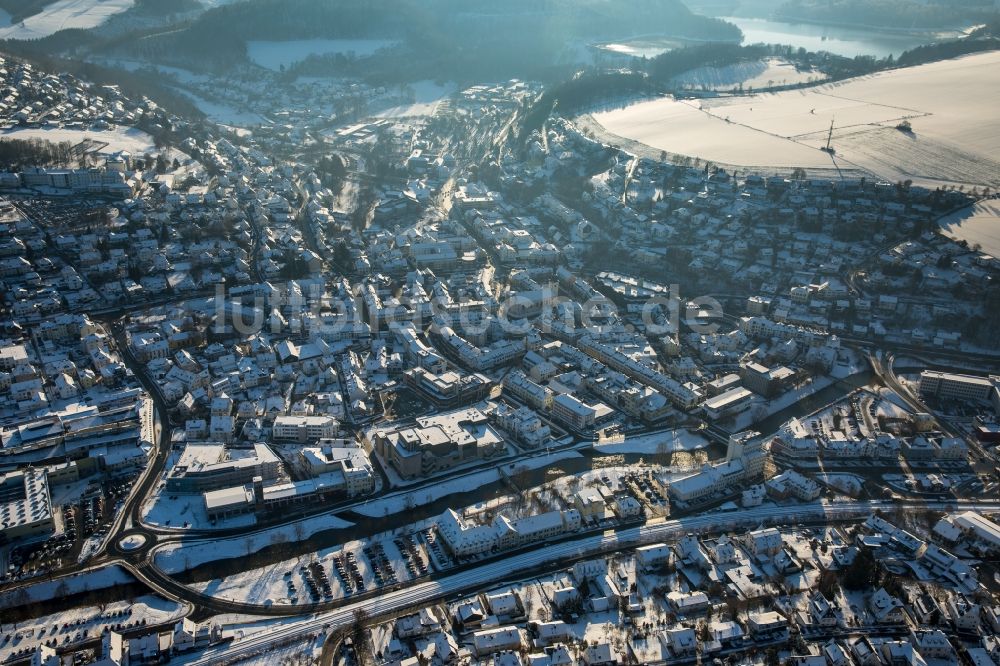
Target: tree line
x,y
913,14
16,154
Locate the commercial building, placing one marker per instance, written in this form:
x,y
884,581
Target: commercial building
x,y
483,358
203,467
685,396
25,504
957,387
438,443
350,461
341,472
727,404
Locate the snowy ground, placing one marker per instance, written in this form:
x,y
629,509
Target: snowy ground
x,y
427,95
951,105
847,483
187,512
978,224
648,47
182,556
135,141
400,502
65,14
87,622
270,584
765,73
94,579
664,442
273,55
223,113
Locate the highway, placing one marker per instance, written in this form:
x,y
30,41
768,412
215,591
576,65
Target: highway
x,y
558,556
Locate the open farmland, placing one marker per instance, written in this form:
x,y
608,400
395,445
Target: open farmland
x,y
951,105
63,15
133,140
979,225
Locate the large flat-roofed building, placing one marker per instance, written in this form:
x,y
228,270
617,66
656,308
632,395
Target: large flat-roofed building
x,y
763,380
953,386
448,389
339,471
346,459
204,467
25,504
726,404
228,502
304,428
438,442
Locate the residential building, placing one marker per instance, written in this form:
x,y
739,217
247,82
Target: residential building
x,y
304,428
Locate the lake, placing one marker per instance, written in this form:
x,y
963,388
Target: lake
x,y
842,41
848,42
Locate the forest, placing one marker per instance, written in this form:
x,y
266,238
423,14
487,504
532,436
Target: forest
x,y
463,40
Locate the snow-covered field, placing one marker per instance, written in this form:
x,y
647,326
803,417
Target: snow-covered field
x,y
223,113
186,555
274,55
951,105
664,442
765,73
427,95
65,14
648,47
978,224
133,140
